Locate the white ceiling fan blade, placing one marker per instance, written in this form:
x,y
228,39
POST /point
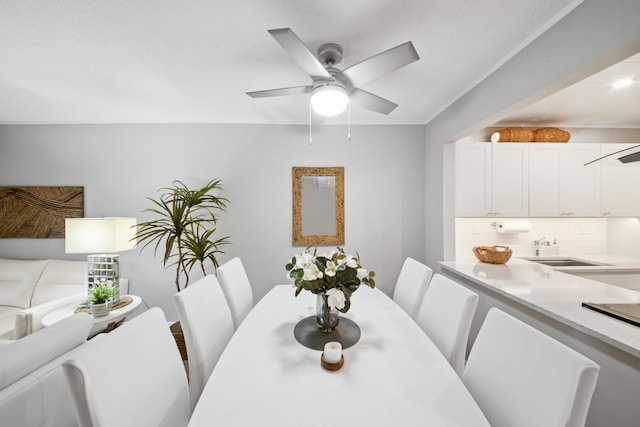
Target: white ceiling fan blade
x,y
381,64
628,155
300,53
371,102
296,90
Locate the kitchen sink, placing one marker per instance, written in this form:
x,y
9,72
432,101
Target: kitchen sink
x,y
563,262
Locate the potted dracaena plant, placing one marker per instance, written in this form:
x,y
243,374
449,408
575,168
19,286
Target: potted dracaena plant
x,y
185,227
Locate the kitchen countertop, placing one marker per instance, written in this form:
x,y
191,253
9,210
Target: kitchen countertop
x,y
550,291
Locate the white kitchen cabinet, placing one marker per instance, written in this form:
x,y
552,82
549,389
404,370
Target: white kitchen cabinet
x,y
473,179
510,180
619,184
559,183
491,179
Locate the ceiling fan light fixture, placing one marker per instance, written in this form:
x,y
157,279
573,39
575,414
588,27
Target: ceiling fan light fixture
x,y
329,100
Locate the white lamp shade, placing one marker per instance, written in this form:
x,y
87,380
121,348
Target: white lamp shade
x,y
99,235
329,100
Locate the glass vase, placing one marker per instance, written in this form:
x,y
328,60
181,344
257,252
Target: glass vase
x,y
327,318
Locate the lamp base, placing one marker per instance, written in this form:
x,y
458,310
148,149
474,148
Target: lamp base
x,y
104,268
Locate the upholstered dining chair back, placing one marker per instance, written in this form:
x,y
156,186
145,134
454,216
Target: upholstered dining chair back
x,y
445,316
132,376
522,377
411,284
207,325
237,289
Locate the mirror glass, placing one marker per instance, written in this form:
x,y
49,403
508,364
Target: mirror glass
x,y
318,205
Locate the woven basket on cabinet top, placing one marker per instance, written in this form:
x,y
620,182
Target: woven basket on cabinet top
x,y
551,135
515,134
493,254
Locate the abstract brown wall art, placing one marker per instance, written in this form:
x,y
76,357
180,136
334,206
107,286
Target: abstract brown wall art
x,y
38,212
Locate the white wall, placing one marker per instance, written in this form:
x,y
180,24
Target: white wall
x,y
624,236
120,165
575,236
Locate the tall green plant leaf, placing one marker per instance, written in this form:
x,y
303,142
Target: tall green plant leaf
x,y
186,221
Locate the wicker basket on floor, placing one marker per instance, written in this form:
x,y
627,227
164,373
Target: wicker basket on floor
x,y
493,254
178,335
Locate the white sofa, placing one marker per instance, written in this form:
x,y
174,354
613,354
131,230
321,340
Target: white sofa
x,y
30,289
33,390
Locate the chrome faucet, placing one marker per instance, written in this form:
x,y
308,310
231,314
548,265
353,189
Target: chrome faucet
x,y
538,243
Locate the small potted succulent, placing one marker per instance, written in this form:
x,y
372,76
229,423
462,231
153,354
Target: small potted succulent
x,y
100,299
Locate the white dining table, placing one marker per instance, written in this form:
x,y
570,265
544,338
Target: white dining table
x,y
393,376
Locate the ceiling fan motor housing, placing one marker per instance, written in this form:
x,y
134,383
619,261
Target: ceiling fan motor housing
x,y
330,54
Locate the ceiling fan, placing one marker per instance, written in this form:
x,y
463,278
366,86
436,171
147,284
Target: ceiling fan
x,y
627,155
332,89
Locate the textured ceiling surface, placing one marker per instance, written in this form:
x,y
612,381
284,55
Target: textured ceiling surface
x,y
592,102
156,61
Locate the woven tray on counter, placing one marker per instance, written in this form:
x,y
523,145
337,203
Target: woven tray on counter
x,y
493,254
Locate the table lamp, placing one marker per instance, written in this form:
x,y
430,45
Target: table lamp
x,y
101,237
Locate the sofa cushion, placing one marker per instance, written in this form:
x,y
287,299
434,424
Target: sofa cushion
x,y
60,278
29,320
25,355
18,279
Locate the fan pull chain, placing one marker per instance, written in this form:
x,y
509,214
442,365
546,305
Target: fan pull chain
x,y
310,123
349,125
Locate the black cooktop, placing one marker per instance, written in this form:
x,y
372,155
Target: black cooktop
x,y
628,312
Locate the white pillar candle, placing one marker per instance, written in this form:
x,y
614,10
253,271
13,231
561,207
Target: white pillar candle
x,y
332,352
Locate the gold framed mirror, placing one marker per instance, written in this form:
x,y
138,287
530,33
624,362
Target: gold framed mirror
x,y
318,205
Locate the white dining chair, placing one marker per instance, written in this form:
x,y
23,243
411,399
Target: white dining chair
x,y
207,325
237,289
521,377
132,376
411,285
445,316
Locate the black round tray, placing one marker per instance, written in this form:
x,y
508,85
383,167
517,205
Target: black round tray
x,y
307,333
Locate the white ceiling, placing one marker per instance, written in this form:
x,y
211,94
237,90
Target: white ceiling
x,y
155,61
592,102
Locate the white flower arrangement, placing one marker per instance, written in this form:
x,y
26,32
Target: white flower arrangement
x,y
336,274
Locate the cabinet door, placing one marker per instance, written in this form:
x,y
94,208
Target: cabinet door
x,y
619,182
560,184
473,179
544,180
510,180
580,184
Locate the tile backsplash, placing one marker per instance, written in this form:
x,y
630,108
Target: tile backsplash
x,y
575,236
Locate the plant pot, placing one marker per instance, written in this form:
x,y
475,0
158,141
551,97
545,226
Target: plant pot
x,y
100,310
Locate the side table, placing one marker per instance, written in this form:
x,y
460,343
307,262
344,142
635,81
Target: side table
x,y
100,324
